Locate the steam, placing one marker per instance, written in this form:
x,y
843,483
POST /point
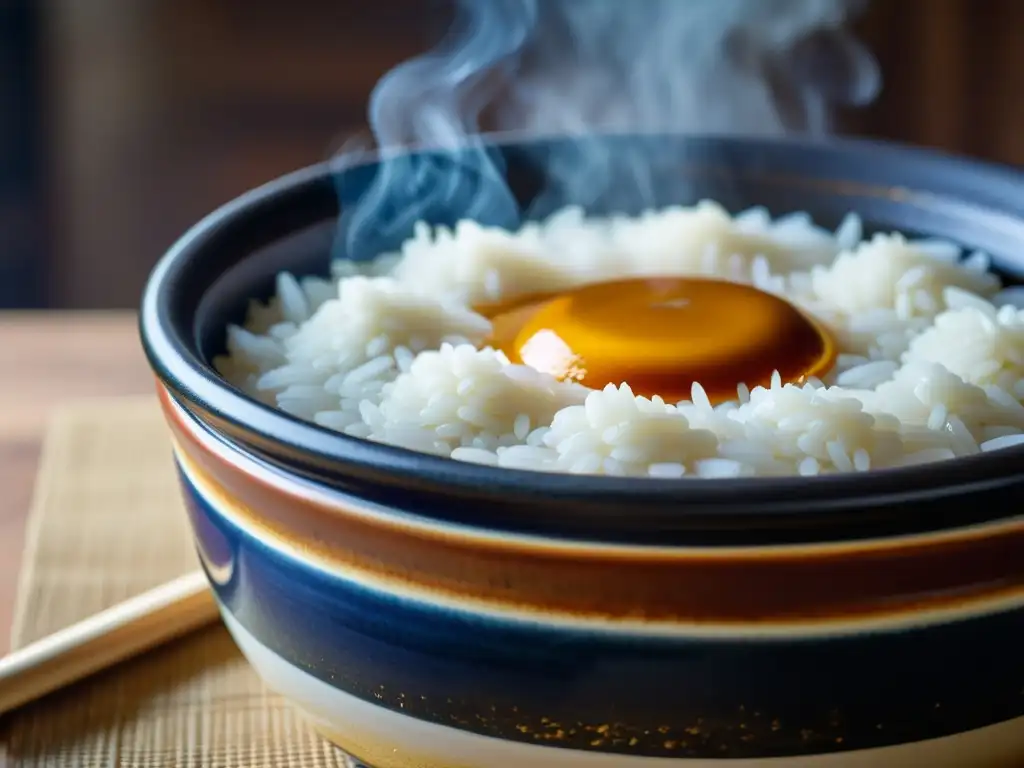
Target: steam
x,y
582,68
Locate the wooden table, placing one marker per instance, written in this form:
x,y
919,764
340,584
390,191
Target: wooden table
x,y
48,358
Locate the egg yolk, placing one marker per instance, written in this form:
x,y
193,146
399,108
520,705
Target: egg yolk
x,y
660,335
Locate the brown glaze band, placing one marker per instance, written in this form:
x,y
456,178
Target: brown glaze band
x,y
881,579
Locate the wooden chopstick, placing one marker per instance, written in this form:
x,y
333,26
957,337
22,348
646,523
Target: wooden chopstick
x,y
155,617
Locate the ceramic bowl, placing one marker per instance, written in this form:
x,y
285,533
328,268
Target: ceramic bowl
x,y
427,613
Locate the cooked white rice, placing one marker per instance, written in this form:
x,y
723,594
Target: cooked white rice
x,y
931,362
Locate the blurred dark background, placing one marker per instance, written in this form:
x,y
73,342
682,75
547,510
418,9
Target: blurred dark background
x,y
123,121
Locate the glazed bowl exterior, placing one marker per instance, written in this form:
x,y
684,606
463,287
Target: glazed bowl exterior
x,y
427,613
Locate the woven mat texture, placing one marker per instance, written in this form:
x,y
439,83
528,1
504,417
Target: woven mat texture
x,y
107,524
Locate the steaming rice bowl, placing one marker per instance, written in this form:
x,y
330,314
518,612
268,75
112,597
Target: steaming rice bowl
x,y
929,363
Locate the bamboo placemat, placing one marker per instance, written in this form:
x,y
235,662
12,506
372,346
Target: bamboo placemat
x,y
107,524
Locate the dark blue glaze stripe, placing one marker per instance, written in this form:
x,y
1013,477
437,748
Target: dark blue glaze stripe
x,y
695,698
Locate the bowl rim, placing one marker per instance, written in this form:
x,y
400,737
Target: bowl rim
x,y
177,362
